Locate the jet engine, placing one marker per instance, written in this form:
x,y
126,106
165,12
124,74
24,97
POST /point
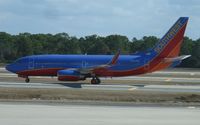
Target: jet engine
x,y
69,75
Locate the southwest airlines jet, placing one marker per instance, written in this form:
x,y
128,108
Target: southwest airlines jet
x,y
79,67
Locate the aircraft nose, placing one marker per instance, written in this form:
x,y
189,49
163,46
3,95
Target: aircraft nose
x,y
9,67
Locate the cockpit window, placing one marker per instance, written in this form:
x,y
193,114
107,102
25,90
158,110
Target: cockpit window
x,y
18,61
21,60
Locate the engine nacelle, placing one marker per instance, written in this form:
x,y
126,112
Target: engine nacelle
x,y
69,75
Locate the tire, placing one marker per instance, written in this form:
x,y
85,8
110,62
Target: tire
x,y
27,80
98,80
95,81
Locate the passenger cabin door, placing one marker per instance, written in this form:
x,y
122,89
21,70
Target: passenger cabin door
x,y
31,63
84,64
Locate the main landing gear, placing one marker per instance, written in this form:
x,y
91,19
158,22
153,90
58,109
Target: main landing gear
x,y
27,80
95,80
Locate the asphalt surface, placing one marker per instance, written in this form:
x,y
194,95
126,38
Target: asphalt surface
x,y
31,113
136,78
159,88
55,114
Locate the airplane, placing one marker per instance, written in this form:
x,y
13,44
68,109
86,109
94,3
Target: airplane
x,y
164,54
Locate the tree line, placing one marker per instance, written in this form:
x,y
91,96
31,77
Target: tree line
x,y
23,44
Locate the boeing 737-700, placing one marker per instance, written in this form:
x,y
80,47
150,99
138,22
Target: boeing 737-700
x,y
80,67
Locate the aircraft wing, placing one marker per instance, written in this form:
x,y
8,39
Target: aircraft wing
x,y
112,62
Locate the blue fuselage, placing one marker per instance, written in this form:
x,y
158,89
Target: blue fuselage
x,y
38,62
52,65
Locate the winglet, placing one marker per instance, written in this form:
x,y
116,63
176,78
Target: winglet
x,y
115,58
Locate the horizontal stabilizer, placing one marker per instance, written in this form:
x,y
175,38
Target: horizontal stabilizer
x,y
179,58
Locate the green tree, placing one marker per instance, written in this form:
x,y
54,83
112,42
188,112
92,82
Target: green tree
x,y
93,45
143,44
7,48
115,42
23,44
186,47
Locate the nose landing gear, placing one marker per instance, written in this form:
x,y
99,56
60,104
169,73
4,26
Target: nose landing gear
x,y
27,80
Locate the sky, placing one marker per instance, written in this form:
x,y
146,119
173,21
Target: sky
x,y
132,18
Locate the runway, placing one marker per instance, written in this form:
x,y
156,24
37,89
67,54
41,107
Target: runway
x,y
58,114
138,78
158,88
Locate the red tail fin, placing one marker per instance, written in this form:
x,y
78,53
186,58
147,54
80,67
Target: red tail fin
x,y
169,45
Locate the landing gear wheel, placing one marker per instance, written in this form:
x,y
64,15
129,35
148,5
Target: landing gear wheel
x,y
95,80
98,80
27,80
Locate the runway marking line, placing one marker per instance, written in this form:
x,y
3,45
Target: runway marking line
x,y
192,74
131,89
168,80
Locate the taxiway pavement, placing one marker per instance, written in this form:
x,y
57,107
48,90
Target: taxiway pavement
x,y
159,88
56,114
